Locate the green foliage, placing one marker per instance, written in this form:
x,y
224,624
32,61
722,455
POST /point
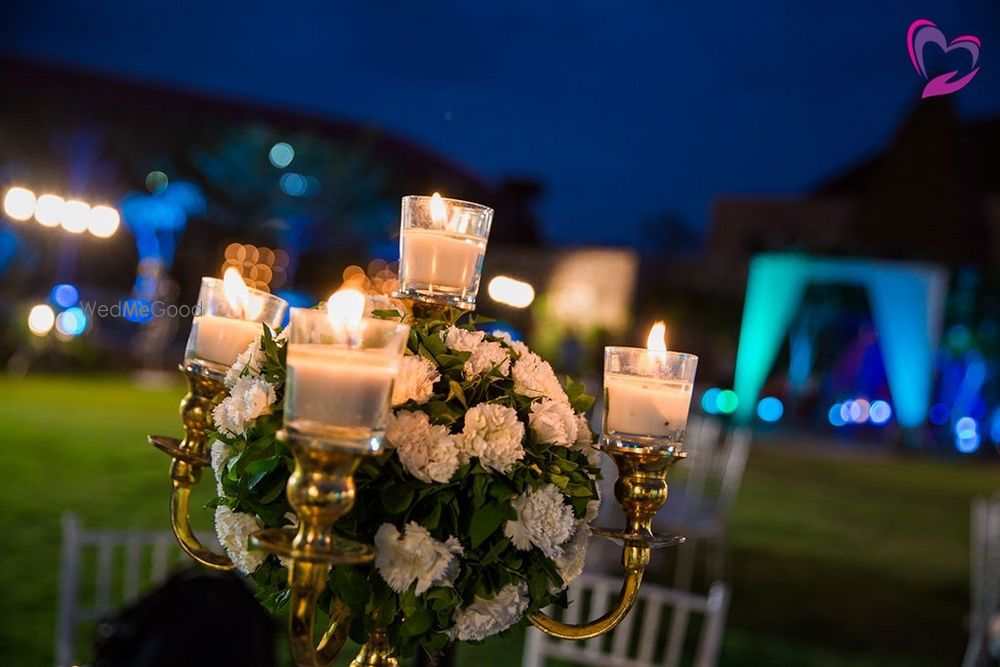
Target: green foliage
x,y
473,506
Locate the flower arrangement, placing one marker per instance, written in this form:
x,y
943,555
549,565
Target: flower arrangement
x,y
479,505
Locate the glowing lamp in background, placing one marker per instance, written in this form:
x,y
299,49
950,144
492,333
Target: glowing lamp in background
x,y
41,319
511,292
49,210
104,222
19,204
75,216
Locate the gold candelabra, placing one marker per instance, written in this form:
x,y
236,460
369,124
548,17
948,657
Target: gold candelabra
x,y
321,491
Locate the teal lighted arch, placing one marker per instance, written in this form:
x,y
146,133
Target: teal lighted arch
x,y
907,302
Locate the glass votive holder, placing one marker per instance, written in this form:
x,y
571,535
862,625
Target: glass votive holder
x,y
339,383
647,395
441,247
228,317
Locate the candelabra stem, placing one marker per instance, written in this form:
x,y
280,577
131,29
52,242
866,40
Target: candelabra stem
x,y
376,652
320,490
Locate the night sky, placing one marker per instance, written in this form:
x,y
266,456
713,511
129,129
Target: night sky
x,y
625,111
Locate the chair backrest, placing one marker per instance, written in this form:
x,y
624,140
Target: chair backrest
x,y
654,633
985,578
708,481
89,587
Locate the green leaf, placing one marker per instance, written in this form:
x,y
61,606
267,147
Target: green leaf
x,y
485,522
582,403
274,492
479,486
396,499
455,390
415,623
559,480
350,586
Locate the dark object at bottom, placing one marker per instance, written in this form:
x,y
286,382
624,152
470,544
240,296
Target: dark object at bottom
x,y
197,618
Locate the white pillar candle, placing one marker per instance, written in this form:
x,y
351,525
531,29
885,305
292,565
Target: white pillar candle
x,y
222,339
441,260
647,392
645,406
338,391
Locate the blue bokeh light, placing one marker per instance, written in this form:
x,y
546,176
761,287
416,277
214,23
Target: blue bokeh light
x,y
966,427
708,400
835,415
72,322
995,426
281,154
880,412
65,295
293,185
939,414
967,444
770,409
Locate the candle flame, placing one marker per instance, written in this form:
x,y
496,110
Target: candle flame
x,y
346,308
439,212
657,339
235,289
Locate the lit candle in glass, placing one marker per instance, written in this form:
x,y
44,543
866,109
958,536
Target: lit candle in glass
x,y
441,247
341,366
647,393
228,318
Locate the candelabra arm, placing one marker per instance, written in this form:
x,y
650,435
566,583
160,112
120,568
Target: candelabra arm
x,y
308,580
188,457
180,501
641,490
626,600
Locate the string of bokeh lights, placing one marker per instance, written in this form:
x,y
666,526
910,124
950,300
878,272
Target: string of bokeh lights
x,y
51,210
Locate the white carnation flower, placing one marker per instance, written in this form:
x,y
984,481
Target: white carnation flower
x,y
585,440
515,345
249,398
233,529
415,381
593,506
414,555
484,618
570,563
553,422
427,451
220,455
251,359
486,355
543,520
493,433
534,377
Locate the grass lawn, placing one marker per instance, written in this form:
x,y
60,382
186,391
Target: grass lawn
x,y
836,561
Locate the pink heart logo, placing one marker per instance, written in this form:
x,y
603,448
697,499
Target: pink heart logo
x,y
923,32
